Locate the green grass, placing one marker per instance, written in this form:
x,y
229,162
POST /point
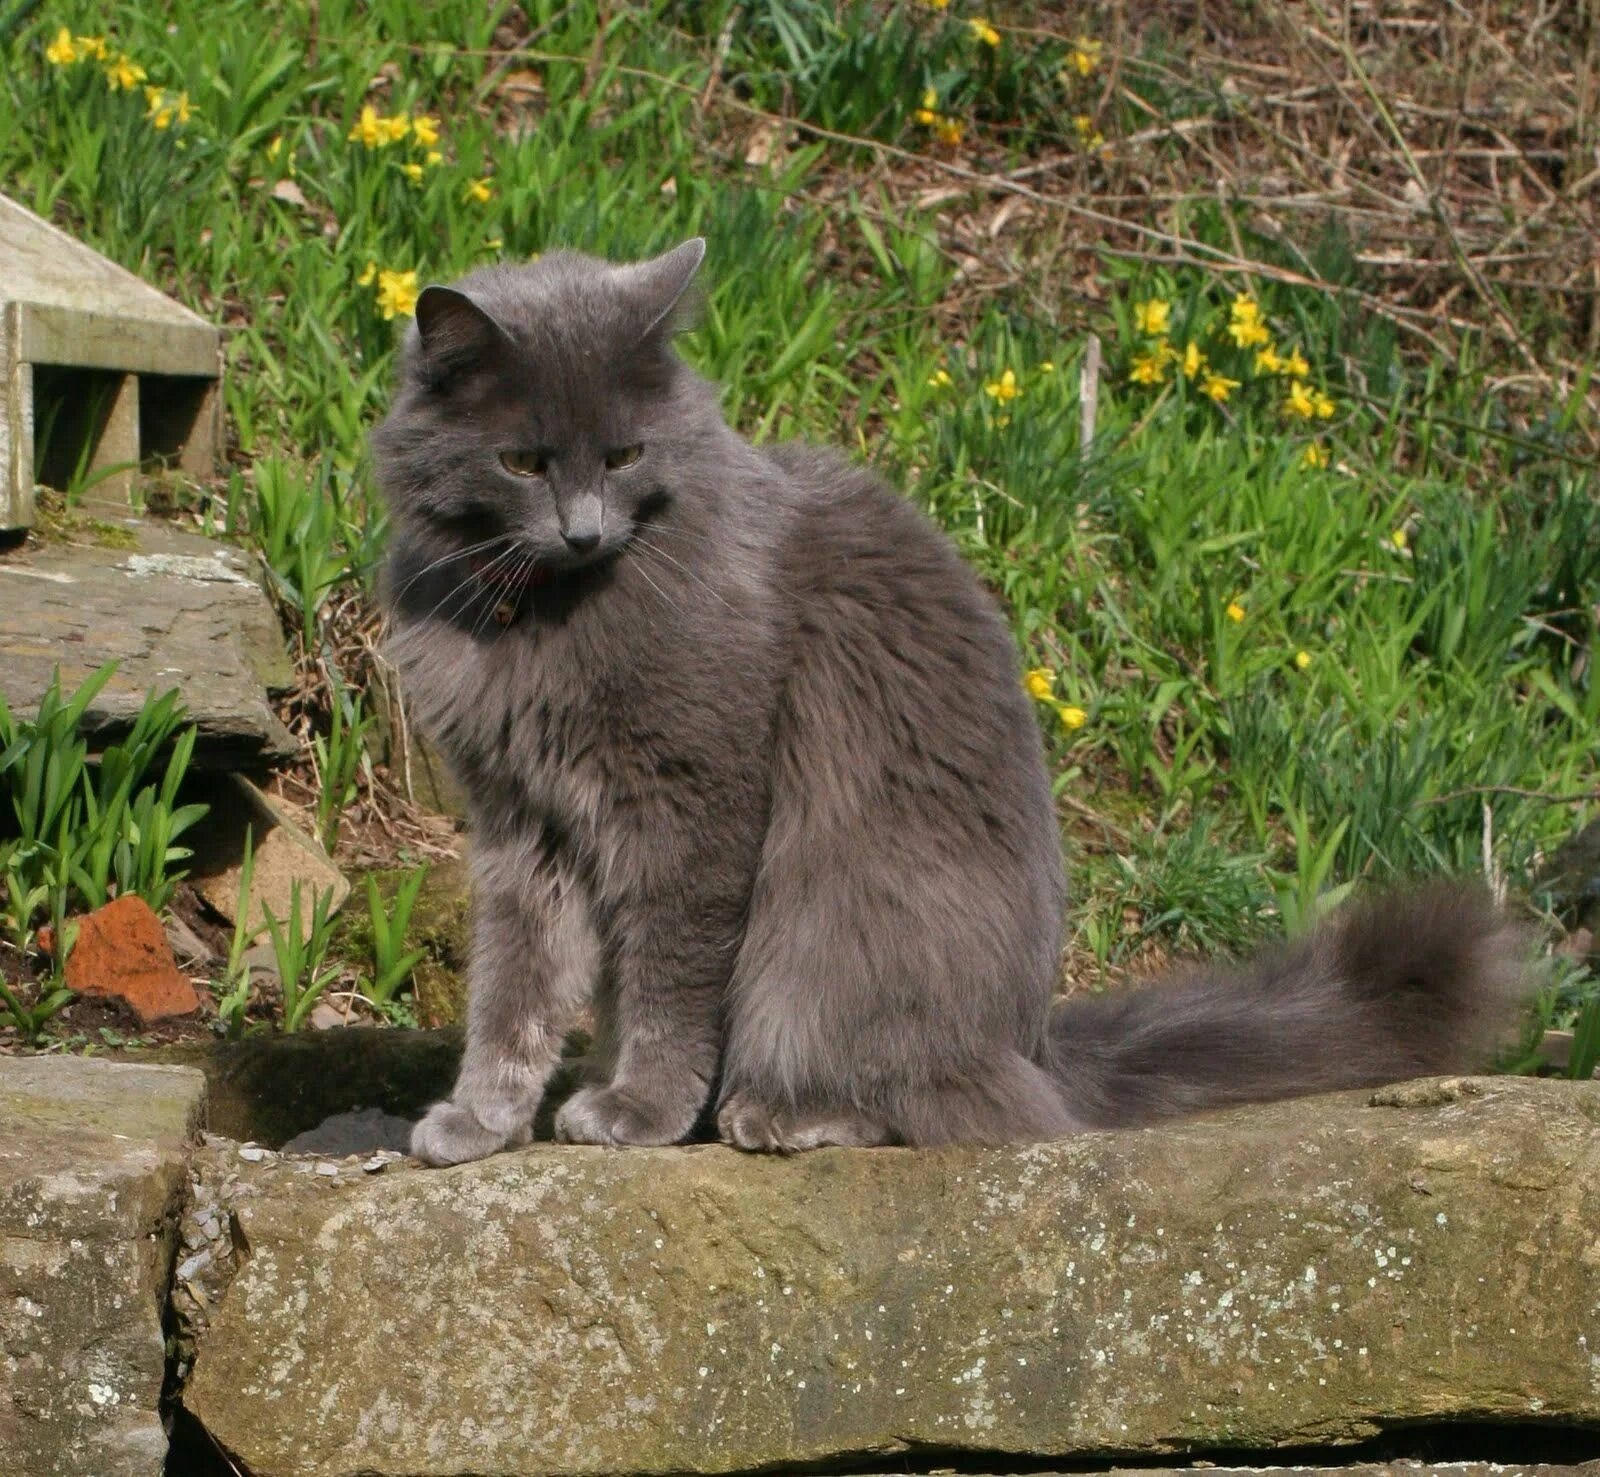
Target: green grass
x,y
1221,784
75,830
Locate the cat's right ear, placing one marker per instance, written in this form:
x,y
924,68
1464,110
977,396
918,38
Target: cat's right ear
x,y
455,336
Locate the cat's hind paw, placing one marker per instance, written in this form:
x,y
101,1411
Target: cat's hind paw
x,y
750,1125
451,1134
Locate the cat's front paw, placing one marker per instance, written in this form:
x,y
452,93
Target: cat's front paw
x,y
451,1134
610,1115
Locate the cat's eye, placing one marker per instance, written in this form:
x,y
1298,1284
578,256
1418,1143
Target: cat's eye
x,y
534,463
622,456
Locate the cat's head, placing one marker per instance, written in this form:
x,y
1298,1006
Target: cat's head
x,y
541,411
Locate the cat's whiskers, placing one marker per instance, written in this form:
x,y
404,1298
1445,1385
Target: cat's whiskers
x,y
641,543
450,558
500,594
706,540
467,584
671,604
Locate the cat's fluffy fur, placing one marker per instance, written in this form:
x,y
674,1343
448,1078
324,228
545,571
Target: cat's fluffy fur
x,y
749,765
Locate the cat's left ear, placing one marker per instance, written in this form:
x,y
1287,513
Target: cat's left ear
x,y
662,287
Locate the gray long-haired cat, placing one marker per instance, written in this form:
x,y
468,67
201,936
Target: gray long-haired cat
x,y
749,765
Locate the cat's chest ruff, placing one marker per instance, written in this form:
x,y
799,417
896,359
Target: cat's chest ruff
x,y
543,735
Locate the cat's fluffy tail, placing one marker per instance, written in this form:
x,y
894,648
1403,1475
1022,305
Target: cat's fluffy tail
x,y
1417,982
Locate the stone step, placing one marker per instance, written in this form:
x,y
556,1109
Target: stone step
x,y
1303,1274
122,374
93,1172
172,608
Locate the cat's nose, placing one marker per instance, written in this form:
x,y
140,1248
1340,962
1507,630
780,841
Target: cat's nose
x,y
581,540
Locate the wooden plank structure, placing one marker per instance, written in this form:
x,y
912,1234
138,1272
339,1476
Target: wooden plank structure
x,y
99,373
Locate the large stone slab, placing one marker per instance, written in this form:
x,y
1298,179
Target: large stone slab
x,y
174,609
1374,1469
92,1179
1305,1273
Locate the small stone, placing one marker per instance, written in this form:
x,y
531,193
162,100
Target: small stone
x,y
358,1131
192,1266
187,946
261,960
327,1017
1579,944
286,858
328,1169
252,1153
122,954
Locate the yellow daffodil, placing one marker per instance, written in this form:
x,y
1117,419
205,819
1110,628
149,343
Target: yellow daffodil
x,y
1267,361
1151,368
1005,389
1301,402
1217,387
1040,683
123,73
495,243
368,130
1314,455
369,275
93,47
1048,367
983,31
1085,55
480,190
1323,405
1234,612
1245,327
1295,365
1071,717
940,379
397,294
432,157
937,4
425,129
1398,539
62,51
950,131
412,172
928,113
275,148
1152,316
163,108
1302,659
1194,361
1247,335
1088,135
395,129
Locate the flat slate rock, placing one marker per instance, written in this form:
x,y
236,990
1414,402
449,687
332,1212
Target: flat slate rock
x,y
1366,1469
175,610
93,1173
1302,1274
